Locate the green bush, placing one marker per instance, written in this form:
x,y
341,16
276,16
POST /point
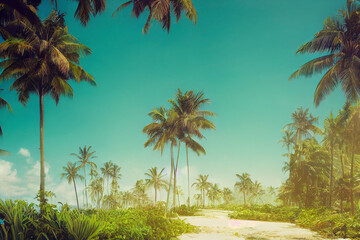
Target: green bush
x,y
184,210
22,221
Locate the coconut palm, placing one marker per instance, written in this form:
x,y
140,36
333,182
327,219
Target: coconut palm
x,y
189,122
71,174
155,179
339,40
287,139
85,158
96,190
214,193
139,191
244,184
160,11
203,185
256,191
3,104
115,176
106,172
331,126
41,60
303,125
160,132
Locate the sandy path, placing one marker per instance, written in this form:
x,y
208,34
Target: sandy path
x,y
216,225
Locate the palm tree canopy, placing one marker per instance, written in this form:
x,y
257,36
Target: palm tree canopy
x,y
160,11
42,59
71,172
339,40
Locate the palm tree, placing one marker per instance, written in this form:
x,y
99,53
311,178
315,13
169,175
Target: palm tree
x,y
160,11
160,132
203,185
256,191
71,174
106,172
330,137
179,192
155,179
214,193
96,190
190,119
339,40
41,60
85,157
244,185
115,175
303,125
227,195
140,192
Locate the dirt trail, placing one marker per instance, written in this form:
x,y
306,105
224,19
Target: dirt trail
x,y
216,225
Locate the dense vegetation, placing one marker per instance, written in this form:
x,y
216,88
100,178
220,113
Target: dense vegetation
x,y
23,221
323,220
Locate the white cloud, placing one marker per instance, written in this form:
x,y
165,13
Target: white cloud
x,y
24,152
9,181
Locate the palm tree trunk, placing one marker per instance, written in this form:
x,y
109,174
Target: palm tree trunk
x,y
155,195
42,157
188,173
176,167
331,173
85,187
342,163
77,199
171,177
244,198
352,171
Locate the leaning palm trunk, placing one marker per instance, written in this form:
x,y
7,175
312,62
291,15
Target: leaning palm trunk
x,y
171,177
42,157
331,172
176,167
188,174
77,199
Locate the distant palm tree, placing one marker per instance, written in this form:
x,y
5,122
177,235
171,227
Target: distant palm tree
x,y
140,193
303,125
41,60
214,193
115,175
97,190
256,191
161,11
287,139
227,195
160,132
106,172
189,122
203,185
339,39
179,192
244,184
71,174
85,157
331,126
155,179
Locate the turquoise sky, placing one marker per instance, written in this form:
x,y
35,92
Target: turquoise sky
x,y
240,54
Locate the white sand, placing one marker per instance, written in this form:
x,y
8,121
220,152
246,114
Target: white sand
x,y
216,225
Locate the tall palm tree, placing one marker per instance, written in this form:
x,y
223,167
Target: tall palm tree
x,y
189,121
227,195
106,172
155,179
71,174
339,40
115,175
160,132
160,11
203,185
244,184
41,60
331,126
303,125
96,190
85,158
